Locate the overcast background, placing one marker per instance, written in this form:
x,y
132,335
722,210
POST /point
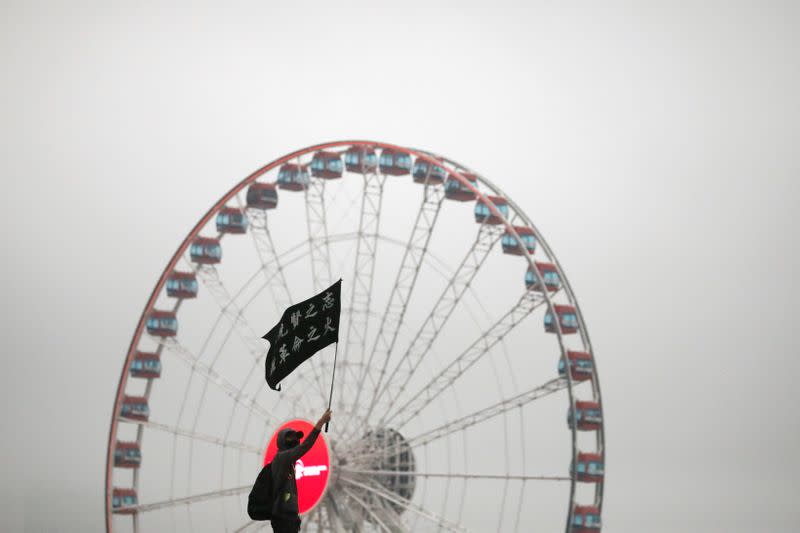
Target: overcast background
x,y
655,145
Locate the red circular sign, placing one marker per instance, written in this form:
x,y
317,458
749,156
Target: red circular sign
x,y
311,470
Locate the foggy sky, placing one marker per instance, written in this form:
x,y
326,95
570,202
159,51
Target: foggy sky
x,y
653,144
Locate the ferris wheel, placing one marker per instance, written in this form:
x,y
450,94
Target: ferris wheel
x,y
466,398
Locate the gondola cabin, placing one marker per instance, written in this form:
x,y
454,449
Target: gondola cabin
x,y
581,366
262,196
550,275
146,365
590,467
394,163
182,285
512,246
360,159
162,324
588,414
231,220
568,319
293,177
484,214
135,408
585,519
326,165
206,251
425,172
127,455
455,190
122,499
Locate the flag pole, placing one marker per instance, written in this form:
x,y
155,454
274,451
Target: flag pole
x,y
333,376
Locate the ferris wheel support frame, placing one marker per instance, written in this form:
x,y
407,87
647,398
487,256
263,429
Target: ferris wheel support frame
x,y
455,173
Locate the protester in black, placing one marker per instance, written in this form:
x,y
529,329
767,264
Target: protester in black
x,y
285,515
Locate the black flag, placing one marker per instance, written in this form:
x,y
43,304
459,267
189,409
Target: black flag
x,y
304,329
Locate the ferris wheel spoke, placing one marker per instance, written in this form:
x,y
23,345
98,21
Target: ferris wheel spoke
x,y
221,383
319,249
188,500
265,247
379,491
367,508
459,282
464,422
236,313
452,475
487,413
149,424
358,312
481,346
316,221
413,257
390,516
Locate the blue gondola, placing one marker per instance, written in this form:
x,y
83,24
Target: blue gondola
x,y
568,319
589,416
424,172
484,214
135,407
146,365
127,455
231,220
581,365
360,159
455,190
122,500
262,196
162,324
326,165
549,273
394,163
293,177
182,285
206,251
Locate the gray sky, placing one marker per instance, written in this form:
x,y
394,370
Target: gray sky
x,y
654,145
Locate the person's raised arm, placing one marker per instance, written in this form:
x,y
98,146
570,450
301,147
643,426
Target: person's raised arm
x,y
300,450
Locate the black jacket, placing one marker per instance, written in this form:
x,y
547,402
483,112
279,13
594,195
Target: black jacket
x,y
284,483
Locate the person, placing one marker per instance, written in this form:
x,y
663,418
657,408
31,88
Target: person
x,y
285,514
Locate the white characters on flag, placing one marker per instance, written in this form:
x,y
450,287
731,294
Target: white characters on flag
x,y
282,353
328,326
282,331
310,311
295,318
312,334
328,301
297,342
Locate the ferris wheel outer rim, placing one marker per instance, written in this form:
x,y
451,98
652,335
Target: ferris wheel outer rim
x,y
429,158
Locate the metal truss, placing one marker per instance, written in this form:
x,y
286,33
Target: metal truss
x,y
394,314
185,355
395,473
210,278
265,247
379,491
188,500
488,235
318,234
367,509
472,419
193,435
524,307
363,271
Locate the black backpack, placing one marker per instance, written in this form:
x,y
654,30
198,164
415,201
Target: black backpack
x,y
262,496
